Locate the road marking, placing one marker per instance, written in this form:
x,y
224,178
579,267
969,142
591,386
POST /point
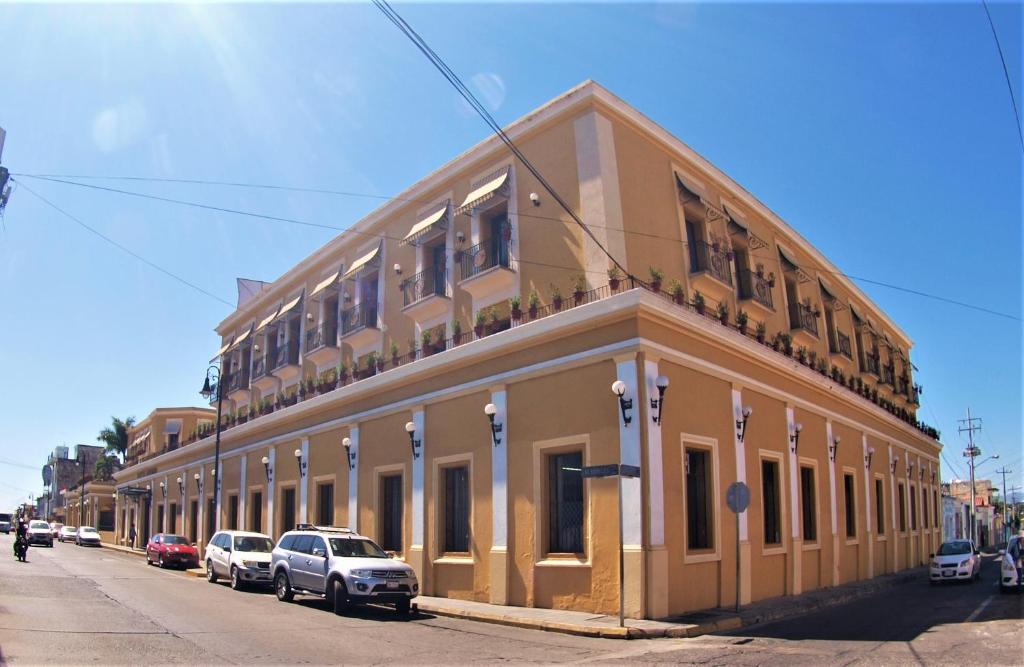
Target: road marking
x,y
981,608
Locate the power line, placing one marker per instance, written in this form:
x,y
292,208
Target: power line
x,y
1006,73
125,248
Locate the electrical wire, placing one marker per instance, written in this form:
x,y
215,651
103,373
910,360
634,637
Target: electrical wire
x,y
1006,73
124,248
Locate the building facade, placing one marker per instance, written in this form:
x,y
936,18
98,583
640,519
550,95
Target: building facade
x,y
438,377
94,507
62,472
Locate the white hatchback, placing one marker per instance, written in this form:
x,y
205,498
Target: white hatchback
x,y
241,556
956,560
1009,558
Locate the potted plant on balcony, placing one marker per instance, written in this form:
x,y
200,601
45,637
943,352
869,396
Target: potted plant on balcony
x,y
479,322
342,373
760,331
394,353
801,354
495,320
379,362
579,288
456,332
425,345
812,359
533,304
657,275
741,321
698,302
515,305
723,313
556,297
787,344
675,288
614,277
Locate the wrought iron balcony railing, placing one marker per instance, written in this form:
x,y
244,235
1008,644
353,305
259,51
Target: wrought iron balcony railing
x,y
424,284
359,316
287,355
871,364
485,255
325,335
802,317
841,345
260,367
237,380
714,262
888,375
755,287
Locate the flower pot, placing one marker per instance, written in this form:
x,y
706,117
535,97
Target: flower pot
x,y
724,319
613,283
655,285
760,338
557,301
577,297
742,328
679,298
699,307
479,330
533,312
380,365
394,359
517,314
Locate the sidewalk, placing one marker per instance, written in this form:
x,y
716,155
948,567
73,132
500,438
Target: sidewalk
x,y
195,572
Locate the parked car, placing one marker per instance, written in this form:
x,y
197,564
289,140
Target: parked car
x,y
5,523
166,549
39,533
67,534
55,529
86,536
1009,575
341,566
243,557
956,560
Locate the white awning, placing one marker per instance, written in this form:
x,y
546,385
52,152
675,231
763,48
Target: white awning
x,y
362,262
856,313
238,341
787,256
223,349
827,289
286,308
690,186
736,218
142,436
325,283
484,191
172,426
270,318
436,220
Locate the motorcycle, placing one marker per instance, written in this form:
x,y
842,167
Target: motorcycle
x,y
21,549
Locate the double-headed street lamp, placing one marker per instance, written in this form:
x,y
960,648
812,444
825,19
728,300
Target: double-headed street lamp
x,y
210,385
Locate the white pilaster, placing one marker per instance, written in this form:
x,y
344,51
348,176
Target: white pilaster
x,y
832,501
353,482
499,474
741,455
600,200
243,493
655,473
201,515
417,482
163,498
629,454
270,492
895,519
794,505
304,482
869,536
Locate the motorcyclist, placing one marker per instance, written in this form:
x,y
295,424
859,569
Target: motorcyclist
x,y
20,538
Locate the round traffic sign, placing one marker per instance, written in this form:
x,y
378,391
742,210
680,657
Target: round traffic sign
x,y
737,497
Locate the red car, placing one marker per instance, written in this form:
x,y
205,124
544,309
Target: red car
x,y
171,550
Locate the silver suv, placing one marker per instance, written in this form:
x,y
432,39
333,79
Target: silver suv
x,y
341,566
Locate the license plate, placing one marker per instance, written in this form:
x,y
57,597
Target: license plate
x,y
948,574
392,584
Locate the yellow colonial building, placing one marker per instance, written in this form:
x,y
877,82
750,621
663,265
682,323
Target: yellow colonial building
x,y
439,376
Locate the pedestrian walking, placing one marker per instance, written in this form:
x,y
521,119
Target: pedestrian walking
x,y
131,536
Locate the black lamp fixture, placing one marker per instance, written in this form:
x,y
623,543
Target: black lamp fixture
x,y
199,482
410,428
181,486
349,454
163,489
868,457
794,437
893,462
920,473
833,448
266,466
491,410
661,382
933,476
741,424
910,469
212,386
619,389
302,463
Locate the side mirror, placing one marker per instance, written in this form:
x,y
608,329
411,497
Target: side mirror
x,y
317,551
1002,552
977,553
391,554
194,544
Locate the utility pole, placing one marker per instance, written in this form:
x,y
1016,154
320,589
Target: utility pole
x,y
1013,505
1006,517
5,175
972,452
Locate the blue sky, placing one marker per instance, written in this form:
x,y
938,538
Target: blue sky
x,y
883,133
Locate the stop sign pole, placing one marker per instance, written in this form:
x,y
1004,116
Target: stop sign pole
x,y
737,497
618,470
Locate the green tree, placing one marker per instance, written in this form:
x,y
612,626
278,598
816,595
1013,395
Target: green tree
x,y
105,467
115,436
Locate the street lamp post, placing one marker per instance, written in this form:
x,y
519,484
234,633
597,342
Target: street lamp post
x,y
972,453
213,377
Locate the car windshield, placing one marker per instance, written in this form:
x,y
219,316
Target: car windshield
x,y
39,524
358,548
68,529
954,549
88,530
175,539
261,545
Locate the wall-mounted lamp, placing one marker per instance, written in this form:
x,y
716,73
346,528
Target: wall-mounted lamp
x,y
794,437
741,424
266,466
163,489
460,237
893,462
933,476
309,317
398,269
619,389
868,457
910,469
302,464
349,454
410,428
181,486
199,482
920,474
661,382
535,199
255,347
833,448
490,410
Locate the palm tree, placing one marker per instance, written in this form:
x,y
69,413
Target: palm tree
x,y
105,467
115,436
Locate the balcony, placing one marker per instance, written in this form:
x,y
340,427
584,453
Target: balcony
x,y
888,376
261,377
286,361
711,271
871,364
238,385
755,288
486,269
425,295
322,345
840,345
359,327
803,321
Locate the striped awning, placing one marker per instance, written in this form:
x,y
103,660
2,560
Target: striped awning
x,y
362,262
436,220
267,320
240,339
286,308
735,218
142,436
325,283
689,187
788,257
492,186
827,289
223,349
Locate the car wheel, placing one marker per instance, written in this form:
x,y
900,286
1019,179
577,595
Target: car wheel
x,y
211,574
236,580
160,561
403,607
339,597
283,588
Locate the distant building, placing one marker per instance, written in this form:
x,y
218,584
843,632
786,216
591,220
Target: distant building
x,y
954,518
63,472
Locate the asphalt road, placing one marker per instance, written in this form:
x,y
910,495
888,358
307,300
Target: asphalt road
x,y
74,605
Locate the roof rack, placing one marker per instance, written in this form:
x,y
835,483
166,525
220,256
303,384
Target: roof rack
x,y
325,529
